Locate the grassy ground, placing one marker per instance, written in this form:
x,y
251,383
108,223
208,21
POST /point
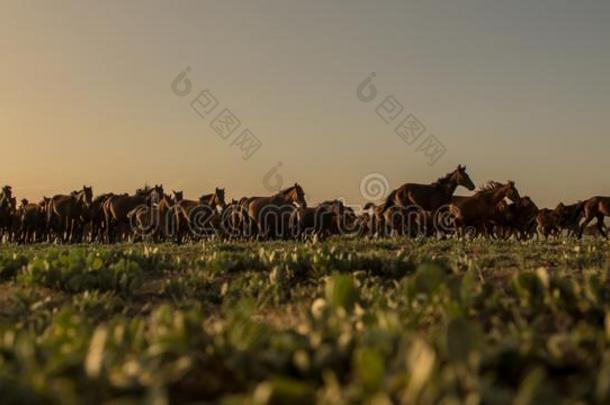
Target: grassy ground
x,y
341,321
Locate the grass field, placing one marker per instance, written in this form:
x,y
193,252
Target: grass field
x,y
343,321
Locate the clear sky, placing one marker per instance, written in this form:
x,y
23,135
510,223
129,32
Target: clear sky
x,y
514,89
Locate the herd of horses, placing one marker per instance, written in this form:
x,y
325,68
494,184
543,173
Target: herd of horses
x,y
495,210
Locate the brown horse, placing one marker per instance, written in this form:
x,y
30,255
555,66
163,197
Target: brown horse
x,y
7,211
32,222
156,221
365,221
430,197
481,207
570,217
596,208
271,215
232,220
524,217
407,221
518,219
66,213
327,219
118,207
97,220
547,222
216,199
199,218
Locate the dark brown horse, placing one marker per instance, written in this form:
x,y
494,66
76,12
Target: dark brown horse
x,y
231,220
97,219
271,215
570,217
408,221
481,207
7,211
517,219
32,222
327,219
596,208
118,207
426,197
66,214
200,218
430,197
548,222
154,221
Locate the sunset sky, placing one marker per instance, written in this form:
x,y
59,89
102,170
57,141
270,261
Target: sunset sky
x,y
513,89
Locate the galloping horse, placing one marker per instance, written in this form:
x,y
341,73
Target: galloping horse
x,y
570,216
430,197
547,223
481,207
271,215
328,218
515,219
596,208
426,197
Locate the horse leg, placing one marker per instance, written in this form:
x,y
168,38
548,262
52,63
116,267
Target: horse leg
x,y
600,226
587,221
459,227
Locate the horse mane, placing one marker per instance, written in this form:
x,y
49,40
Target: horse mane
x,y
490,186
289,189
102,196
443,180
143,189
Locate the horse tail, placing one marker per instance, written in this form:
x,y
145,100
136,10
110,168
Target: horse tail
x,y
49,212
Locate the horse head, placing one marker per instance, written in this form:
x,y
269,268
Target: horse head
x,y
295,195
178,195
88,193
7,191
462,178
158,189
511,192
219,198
